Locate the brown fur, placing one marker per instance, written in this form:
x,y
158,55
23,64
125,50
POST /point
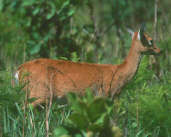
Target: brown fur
x,y
61,77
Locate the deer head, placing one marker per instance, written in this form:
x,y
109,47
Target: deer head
x,y
147,46
144,42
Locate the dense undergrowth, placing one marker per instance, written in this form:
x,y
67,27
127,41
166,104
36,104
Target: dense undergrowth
x,y
143,109
89,31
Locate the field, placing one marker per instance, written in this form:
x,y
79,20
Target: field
x,y
85,31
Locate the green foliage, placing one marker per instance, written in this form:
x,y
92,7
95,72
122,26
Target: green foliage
x,y
74,57
8,97
146,104
8,93
12,42
60,132
90,31
155,120
152,110
89,116
44,22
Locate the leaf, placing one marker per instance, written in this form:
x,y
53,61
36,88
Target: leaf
x,y
28,2
134,125
88,96
1,5
79,120
78,135
63,58
59,132
36,11
100,123
75,103
96,108
71,12
52,12
79,106
74,57
109,105
71,97
28,23
35,49
64,5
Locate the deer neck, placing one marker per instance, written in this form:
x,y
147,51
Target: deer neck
x,y
127,70
132,61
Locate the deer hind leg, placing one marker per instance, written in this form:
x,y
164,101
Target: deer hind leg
x,y
38,102
39,93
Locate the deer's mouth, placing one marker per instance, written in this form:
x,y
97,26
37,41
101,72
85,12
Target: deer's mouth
x,y
152,51
156,51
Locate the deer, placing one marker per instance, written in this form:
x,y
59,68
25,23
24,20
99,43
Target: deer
x,y
48,77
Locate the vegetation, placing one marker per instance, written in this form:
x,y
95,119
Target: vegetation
x,y
89,31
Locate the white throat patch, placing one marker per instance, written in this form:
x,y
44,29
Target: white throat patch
x,y
139,35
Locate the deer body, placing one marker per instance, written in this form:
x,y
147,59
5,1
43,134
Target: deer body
x,y
60,77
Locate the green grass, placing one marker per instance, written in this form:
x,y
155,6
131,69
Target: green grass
x,y
142,110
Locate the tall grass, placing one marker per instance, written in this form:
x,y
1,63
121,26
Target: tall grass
x,y
143,109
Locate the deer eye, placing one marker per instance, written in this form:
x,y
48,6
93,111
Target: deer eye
x,y
150,42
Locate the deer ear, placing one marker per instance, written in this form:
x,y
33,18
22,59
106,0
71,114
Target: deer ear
x,y
131,32
141,32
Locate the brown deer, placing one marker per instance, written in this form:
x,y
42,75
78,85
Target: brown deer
x,y
46,76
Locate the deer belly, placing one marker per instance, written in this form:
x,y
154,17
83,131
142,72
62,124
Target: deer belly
x,y
73,83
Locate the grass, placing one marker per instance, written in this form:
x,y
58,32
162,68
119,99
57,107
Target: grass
x,y
143,110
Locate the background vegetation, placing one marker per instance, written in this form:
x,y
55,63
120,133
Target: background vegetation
x,y
89,31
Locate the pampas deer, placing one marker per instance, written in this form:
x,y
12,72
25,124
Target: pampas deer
x,y
59,77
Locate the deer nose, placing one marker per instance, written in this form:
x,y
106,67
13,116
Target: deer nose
x,y
161,51
157,50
